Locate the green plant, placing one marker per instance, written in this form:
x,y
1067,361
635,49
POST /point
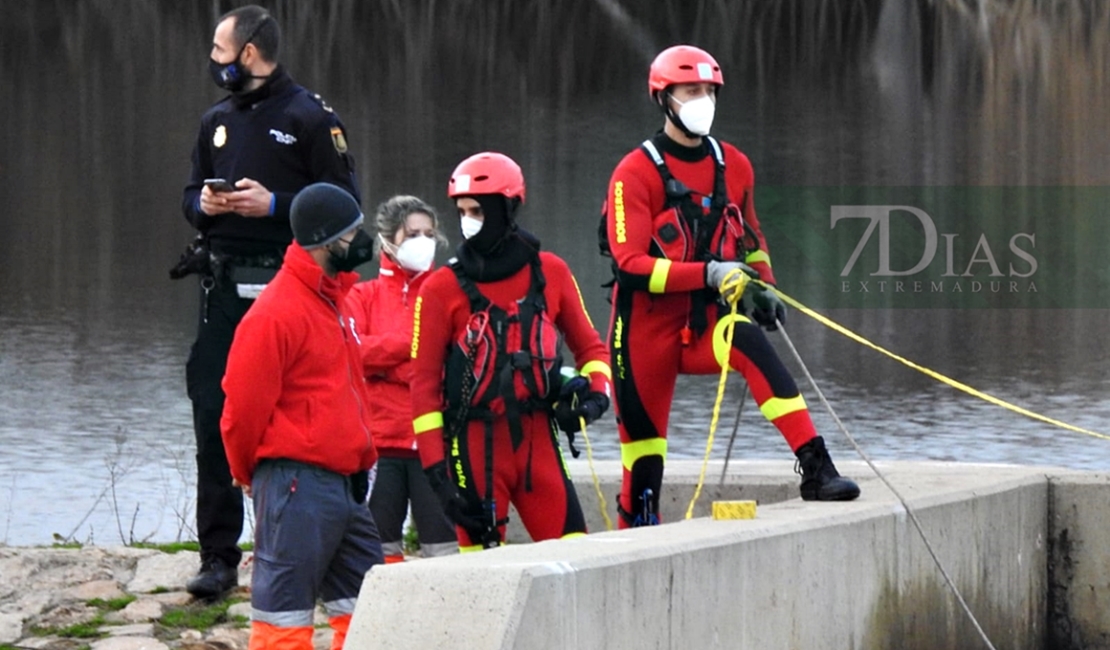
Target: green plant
x,y
171,547
88,630
200,616
111,605
410,542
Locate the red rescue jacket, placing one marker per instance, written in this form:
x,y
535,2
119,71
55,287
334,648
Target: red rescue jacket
x,y
383,308
294,376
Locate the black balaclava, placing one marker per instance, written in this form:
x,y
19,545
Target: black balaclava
x,y
500,248
496,226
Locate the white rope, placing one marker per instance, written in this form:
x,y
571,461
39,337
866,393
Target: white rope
x,y
898,495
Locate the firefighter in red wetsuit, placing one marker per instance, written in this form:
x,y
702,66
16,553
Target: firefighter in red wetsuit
x,y
486,364
679,218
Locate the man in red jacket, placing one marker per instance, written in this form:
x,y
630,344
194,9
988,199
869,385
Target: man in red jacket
x,y
486,365
296,428
680,223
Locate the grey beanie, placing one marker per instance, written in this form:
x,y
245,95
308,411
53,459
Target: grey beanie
x,y
321,213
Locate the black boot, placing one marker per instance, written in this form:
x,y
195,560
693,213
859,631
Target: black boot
x,y
820,480
214,579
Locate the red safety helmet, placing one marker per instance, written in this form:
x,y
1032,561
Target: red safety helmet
x,y
682,64
487,173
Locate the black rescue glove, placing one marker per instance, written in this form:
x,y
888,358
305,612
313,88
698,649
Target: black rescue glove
x,y
767,307
577,400
455,506
360,486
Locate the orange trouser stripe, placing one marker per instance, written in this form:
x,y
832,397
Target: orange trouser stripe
x,y
265,636
339,625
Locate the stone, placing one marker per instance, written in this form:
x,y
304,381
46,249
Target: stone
x,y
142,610
36,642
129,643
167,570
136,629
240,609
11,627
224,638
31,603
321,638
102,589
173,598
66,616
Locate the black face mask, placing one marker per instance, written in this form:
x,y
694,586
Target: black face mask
x,y
360,251
233,77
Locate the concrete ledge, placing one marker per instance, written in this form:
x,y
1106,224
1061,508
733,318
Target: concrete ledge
x,y
800,575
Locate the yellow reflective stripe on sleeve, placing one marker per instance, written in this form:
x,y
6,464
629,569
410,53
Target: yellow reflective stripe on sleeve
x,y
427,422
572,535
657,283
597,366
637,449
776,407
757,256
581,300
470,549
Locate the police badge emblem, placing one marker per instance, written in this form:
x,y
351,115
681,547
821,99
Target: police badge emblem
x,y
219,138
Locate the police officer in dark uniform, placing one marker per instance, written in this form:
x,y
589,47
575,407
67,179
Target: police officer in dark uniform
x,y
267,139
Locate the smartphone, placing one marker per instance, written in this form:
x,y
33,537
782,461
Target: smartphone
x,y
219,185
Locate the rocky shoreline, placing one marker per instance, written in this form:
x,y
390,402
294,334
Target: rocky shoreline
x,y
118,598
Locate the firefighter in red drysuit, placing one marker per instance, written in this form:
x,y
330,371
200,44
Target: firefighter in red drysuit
x,y
486,367
679,218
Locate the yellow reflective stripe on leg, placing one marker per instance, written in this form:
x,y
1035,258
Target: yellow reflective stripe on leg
x,y
572,535
471,549
757,256
657,283
721,345
428,422
637,449
776,407
597,366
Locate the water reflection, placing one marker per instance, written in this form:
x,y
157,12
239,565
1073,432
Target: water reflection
x,y
104,98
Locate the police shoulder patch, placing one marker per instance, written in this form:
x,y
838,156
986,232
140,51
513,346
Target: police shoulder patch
x,y
338,139
322,103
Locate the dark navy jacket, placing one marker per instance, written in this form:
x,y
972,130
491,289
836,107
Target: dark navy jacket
x,y
280,135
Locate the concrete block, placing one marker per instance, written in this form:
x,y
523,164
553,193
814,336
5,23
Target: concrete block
x,y
801,575
1079,570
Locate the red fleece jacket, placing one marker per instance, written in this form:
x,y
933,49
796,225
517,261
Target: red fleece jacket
x,y
294,376
383,308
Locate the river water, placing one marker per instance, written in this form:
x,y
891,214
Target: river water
x,y
988,118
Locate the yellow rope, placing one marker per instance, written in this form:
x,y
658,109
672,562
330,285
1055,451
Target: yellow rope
x,y
597,483
732,287
931,373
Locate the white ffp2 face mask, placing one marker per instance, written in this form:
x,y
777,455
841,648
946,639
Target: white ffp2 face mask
x,y
470,226
416,253
697,114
